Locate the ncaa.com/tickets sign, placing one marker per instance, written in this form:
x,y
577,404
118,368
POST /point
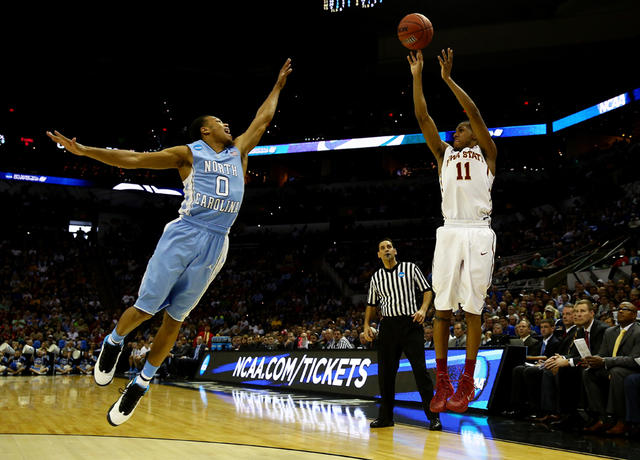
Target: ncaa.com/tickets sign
x,y
346,372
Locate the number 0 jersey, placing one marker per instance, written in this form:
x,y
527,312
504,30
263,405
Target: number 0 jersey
x,y
465,184
213,191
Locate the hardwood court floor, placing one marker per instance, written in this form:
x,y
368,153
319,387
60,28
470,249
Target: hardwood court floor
x,y
65,417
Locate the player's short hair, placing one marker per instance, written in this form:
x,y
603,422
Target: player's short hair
x,y
466,122
194,128
386,239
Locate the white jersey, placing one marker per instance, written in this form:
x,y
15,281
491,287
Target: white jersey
x,y
465,184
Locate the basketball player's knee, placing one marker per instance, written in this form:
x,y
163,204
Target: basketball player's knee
x,y
141,315
171,323
442,316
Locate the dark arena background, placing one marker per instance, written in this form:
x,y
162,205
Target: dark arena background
x,y
342,165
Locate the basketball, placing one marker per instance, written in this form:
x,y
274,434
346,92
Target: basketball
x,y
415,31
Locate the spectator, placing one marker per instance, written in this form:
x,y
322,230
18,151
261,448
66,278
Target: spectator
x,y
40,364
459,338
538,261
604,379
17,364
88,360
428,337
497,337
523,330
339,342
62,364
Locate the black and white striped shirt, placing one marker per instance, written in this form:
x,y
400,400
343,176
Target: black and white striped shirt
x,y
394,290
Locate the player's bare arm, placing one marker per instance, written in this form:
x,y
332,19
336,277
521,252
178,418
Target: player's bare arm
x,y
477,123
427,125
174,157
250,138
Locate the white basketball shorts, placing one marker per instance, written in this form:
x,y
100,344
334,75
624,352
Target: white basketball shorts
x,y
463,265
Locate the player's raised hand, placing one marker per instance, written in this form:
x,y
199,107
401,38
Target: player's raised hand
x,y
446,62
416,61
69,144
284,73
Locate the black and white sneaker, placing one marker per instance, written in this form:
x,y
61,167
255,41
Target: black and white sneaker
x,y
123,408
107,360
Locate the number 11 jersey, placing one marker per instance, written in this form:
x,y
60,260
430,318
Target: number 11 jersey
x,y
465,184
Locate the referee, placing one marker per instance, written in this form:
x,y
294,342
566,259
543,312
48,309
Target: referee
x,y
392,288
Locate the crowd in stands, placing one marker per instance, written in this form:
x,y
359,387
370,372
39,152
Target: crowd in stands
x,y
61,293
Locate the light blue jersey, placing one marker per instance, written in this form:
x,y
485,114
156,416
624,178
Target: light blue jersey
x,y
213,191
193,248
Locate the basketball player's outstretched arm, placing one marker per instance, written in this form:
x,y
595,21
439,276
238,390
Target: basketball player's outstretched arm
x,y
427,125
173,157
477,123
250,138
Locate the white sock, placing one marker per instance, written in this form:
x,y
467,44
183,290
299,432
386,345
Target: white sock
x,y
144,383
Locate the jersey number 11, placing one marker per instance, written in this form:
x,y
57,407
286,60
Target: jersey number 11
x,y
466,169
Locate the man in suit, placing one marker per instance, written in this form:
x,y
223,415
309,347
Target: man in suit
x,y
526,378
180,350
604,379
459,338
498,337
564,325
428,337
562,376
523,331
188,364
568,332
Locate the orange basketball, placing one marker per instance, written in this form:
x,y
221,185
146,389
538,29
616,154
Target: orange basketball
x,y
415,31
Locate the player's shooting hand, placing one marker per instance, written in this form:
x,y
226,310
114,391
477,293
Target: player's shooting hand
x,y
446,62
69,144
284,73
418,317
415,62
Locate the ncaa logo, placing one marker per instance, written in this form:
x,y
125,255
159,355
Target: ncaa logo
x,y
401,274
205,364
197,147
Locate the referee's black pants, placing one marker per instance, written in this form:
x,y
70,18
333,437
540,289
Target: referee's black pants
x,y
399,334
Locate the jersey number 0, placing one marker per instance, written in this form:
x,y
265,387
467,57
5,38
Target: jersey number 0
x,y
222,186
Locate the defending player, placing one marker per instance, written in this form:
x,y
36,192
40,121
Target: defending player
x,y
192,248
464,252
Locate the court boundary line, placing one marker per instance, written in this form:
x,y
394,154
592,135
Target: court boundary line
x,y
186,440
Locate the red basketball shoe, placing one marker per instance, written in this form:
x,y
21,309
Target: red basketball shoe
x,y
444,390
459,402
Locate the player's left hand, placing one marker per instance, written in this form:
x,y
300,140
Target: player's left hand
x,y
284,73
446,62
418,317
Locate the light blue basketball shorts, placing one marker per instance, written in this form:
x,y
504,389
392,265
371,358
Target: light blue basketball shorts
x,y
186,260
